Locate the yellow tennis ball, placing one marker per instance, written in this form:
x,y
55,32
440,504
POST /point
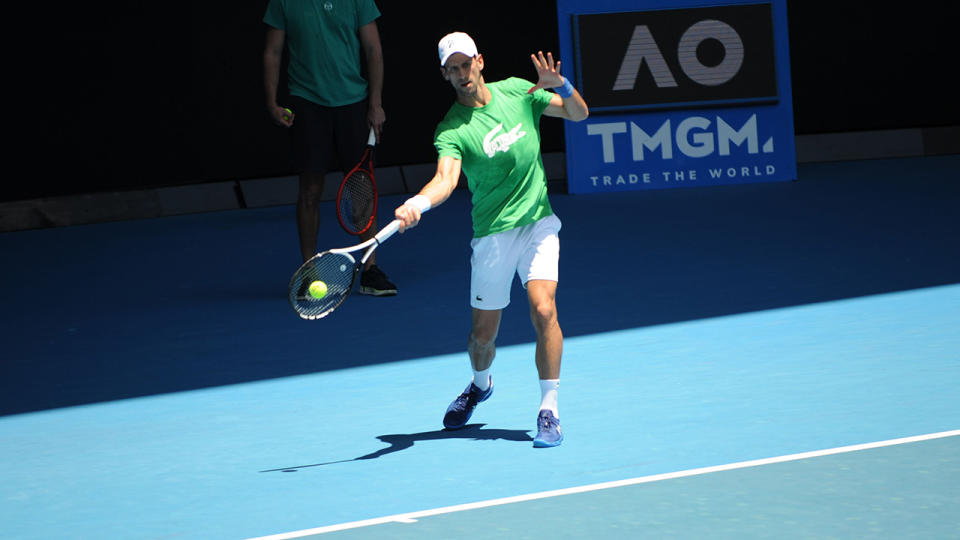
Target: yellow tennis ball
x,y
288,115
318,289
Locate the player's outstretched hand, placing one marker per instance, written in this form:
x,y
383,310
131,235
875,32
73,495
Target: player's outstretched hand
x,y
548,72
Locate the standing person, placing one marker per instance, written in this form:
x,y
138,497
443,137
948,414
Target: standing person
x,y
332,106
492,131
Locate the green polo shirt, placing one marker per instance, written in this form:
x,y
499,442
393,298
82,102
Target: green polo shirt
x,y
499,148
323,41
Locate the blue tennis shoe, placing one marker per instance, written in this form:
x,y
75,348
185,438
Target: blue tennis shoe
x,y
549,433
460,411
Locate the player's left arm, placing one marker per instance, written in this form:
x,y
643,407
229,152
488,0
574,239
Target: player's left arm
x,y
373,52
572,107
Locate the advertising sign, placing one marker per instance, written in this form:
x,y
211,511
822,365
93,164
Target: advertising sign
x,y
680,94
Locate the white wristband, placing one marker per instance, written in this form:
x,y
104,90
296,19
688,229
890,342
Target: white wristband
x,y
420,202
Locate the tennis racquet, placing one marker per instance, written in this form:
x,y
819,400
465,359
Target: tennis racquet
x,y
338,268
357,196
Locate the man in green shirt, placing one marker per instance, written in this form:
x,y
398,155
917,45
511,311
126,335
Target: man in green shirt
x,y
492,133
332,106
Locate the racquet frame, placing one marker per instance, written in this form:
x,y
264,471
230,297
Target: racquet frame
x,y
301,303
365,165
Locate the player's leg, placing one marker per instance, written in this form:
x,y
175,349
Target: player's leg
x,y
313,148
490,279
308,212
539,268
481,346
543,313
492,266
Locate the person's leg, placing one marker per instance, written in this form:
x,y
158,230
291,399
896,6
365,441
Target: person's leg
x,y
543,313
481,349
490,280
313,150
481,346
308,212
540,267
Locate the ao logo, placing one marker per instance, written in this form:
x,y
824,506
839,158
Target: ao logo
x,y
643,48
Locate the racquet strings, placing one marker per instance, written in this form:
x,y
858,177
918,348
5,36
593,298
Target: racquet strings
x,y
357,202
334,269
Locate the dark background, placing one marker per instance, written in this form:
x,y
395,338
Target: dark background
x,y
123,95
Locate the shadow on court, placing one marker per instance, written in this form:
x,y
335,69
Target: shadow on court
x,y
123,310
402,441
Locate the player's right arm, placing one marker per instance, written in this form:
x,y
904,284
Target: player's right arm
x,y
437,190
373,51
272,56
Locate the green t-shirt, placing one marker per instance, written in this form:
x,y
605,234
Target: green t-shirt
x,y
324,45
499,148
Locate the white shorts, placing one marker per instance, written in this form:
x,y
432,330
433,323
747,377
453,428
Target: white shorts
x,y
532,251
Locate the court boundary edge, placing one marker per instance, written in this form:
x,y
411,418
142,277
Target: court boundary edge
x,y
411,517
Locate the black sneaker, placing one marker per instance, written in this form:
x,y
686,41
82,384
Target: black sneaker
x,y
375,283
460,411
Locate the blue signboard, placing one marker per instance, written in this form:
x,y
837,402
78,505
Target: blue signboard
x,y
680,94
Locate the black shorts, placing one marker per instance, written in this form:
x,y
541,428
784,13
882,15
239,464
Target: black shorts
x,y
327,138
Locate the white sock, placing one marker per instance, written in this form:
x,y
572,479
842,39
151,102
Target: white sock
x,y
549,390
482,378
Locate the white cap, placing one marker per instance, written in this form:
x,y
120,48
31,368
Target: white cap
x,y
457,42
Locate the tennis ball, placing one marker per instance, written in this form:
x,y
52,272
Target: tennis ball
x,y
288,115
318,289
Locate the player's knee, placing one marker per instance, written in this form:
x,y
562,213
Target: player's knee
x,y
543,314
482,338
311,188
309,199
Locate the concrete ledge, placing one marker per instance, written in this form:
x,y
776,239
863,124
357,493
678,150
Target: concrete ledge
x,y
197,198
881,144
853,146
117,206
390,181
941,140
256,193
261,192
417,176
269,191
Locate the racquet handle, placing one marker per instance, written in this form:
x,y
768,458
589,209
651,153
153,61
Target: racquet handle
x,y
372,139
388,231
380,238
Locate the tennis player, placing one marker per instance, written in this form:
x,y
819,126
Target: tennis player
x,y
492,133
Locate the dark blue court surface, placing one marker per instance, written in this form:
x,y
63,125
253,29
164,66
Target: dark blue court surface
x,y
156,384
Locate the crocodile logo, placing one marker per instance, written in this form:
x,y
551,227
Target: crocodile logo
x,y
500,142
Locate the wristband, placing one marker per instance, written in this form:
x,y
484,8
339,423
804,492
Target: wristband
x,y
420,202
566,90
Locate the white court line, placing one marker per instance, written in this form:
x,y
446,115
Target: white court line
x,y
411,517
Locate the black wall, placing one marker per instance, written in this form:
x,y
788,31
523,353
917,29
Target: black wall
x,y
124,97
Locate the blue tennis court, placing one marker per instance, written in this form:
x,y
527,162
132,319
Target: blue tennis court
x,y
774,360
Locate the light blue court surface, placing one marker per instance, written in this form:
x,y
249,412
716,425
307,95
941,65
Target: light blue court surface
x,y
156,384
